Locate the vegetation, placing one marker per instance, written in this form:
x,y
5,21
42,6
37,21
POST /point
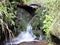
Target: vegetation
x,y
51,15
46,18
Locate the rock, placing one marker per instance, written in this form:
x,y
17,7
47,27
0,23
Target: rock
x,y
33,4
55,39
34,43
55,29
55,32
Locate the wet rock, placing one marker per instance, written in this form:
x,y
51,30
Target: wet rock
x,y
24,14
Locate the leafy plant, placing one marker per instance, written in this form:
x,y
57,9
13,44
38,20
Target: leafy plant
x,y
51,14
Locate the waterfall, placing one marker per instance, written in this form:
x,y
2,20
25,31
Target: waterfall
x,y
24,36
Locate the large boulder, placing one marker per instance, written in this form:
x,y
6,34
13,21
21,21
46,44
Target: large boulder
x,y
55,29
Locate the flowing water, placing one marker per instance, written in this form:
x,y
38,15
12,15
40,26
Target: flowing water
x,y
24,36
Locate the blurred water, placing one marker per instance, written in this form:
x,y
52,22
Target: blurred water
x,y
24,36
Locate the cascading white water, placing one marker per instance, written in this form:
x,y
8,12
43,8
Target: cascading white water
x,y
25,36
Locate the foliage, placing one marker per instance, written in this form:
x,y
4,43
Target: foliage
x,y
6,18
28,1
51,14
46,15
7,11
